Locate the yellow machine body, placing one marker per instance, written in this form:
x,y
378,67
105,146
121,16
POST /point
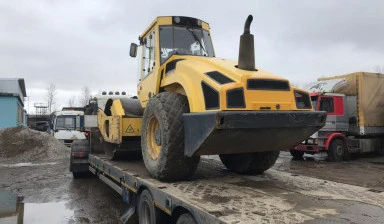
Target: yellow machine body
x,y
190,71
118,124
234,107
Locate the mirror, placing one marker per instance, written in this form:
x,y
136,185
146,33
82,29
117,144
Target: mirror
x,y
133,50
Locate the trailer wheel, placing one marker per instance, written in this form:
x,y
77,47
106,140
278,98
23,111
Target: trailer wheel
x,y
250,163
186,218
337,150
162,138
146,209
296,154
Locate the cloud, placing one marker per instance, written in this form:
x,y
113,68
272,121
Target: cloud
x,y
86,43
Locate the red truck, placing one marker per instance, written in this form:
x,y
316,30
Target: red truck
x,y
355,116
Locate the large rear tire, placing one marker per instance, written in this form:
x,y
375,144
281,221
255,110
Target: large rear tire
x,y
162,138
250,163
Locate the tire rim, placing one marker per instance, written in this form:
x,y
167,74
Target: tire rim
x,y
339,150
146,218
153,138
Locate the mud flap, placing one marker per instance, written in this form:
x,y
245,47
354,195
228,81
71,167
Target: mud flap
x,y
228,132
130,215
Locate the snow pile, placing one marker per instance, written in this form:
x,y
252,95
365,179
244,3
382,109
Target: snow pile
x,y
22,144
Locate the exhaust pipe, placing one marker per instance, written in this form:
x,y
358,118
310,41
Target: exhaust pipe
x,y
247,49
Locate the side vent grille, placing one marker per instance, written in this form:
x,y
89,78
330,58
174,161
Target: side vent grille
x,y
211,97
303,101
171,65
218,77
235,98
261,84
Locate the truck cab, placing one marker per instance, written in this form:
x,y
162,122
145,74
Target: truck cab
x,y
334,105
66,126
354,116
335,128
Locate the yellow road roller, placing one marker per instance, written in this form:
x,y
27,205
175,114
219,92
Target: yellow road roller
x,y
195,104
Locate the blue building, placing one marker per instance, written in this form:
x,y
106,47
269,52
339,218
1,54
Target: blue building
x,y
12,93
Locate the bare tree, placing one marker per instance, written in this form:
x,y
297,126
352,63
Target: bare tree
x,y
85,96
51,96
72,101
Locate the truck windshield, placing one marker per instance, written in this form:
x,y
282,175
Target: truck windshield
x,y
184,41
65,123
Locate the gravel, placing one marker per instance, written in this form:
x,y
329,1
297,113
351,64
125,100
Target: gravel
x,y
23,144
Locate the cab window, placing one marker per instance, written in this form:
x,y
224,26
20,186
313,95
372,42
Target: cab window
x,y
149,54
326,104
176,40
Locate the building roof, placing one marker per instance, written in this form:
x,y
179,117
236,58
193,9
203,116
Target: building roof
x,y
8,88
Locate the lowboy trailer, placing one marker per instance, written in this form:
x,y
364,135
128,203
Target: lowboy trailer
x,y
216,195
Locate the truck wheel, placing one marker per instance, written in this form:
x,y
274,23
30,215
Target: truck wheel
x,y
186,218
146,209
296,154
250,163
337,150
162,138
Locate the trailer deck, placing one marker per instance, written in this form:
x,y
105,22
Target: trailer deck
x,y
216,195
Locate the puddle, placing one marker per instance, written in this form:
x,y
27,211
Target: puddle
x,y
14,211
27,164
54,212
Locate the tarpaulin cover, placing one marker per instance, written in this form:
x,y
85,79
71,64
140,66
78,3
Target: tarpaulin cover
x,y
369,89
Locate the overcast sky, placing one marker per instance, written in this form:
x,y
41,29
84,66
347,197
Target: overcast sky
x,y
73,43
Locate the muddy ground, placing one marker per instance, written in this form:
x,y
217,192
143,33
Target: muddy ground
x,y
365,170
48,188
91,201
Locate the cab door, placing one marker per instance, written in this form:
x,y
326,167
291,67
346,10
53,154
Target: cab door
x,y
148,83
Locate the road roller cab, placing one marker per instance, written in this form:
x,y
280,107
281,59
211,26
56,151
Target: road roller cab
x,y
196,104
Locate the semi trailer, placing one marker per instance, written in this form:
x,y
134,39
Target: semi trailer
x,y
355,116
213,194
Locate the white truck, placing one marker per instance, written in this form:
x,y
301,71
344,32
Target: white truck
x,y
67,126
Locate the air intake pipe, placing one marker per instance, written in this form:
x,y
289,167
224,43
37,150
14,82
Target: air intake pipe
x,y
247,49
